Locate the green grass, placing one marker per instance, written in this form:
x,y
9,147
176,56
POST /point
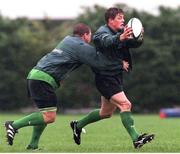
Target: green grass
x,y
105,136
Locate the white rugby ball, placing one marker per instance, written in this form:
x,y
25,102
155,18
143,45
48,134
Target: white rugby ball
x,y
136,26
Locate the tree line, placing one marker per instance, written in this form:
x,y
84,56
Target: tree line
x,y
154,82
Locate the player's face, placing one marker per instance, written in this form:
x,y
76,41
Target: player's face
x,y
118,22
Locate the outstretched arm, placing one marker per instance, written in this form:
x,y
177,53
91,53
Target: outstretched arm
x,y
105,40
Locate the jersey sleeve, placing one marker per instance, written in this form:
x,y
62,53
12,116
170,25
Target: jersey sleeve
x,y
105,40
88,55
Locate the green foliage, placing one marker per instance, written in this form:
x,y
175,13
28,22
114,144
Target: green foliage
x,y
153,83
22,44
94,17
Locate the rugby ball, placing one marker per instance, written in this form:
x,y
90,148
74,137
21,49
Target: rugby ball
x,y
136,26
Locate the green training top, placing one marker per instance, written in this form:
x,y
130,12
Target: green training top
x,y
107,42
68,55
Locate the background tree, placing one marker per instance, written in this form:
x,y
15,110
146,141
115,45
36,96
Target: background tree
x,y
154,82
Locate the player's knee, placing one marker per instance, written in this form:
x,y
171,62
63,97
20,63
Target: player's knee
x,y
49,116
126,106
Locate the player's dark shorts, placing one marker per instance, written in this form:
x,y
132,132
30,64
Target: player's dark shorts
x,y
41,93
109,85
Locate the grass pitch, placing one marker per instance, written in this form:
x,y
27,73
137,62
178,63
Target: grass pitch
x,y
105,136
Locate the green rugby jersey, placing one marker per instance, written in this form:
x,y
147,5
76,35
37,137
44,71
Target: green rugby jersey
x,y
68,55
107,42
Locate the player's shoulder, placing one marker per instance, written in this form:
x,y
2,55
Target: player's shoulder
x,y
87,46
104,29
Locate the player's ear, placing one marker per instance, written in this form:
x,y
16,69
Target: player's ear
x,y
110,21
84,37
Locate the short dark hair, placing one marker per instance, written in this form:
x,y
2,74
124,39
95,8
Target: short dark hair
x,y
80,29
112,12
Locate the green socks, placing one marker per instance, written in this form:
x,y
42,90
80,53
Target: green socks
x,y
33,119
128,123
126,119
37,131
90,118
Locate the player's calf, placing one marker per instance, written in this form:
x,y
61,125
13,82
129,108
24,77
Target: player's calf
x,y
104,116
